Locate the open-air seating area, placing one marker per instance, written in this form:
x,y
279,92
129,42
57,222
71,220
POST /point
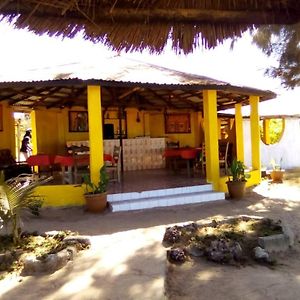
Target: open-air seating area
x,y
74,165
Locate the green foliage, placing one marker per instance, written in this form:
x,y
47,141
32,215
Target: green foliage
x,y
276,127
281,41
101,187
17,194
237,171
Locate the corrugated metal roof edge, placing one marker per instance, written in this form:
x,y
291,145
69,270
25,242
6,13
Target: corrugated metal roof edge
x,y
266,94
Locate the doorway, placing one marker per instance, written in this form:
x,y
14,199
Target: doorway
x,y
22,122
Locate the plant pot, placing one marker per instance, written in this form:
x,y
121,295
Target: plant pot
x,y
277,175
236,189
96,202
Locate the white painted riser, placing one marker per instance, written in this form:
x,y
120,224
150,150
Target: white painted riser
x,y
163,198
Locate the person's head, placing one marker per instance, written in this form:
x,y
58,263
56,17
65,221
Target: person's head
x,y
28,132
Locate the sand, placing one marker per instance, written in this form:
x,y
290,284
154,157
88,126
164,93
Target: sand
x,y
127,260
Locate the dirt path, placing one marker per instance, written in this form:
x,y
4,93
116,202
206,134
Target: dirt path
x,y
127,260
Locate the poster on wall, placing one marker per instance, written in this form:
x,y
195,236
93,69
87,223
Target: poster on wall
x,y
78,121
177,123
1,118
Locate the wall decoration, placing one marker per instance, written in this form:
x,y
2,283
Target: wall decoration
x,y
1,118
78,121
177,123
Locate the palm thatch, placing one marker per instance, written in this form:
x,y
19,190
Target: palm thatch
x,y
132,25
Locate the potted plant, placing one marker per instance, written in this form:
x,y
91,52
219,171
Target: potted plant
x,y
95,194
237,179
277,172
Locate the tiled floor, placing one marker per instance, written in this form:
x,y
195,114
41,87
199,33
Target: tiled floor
x,y
144,180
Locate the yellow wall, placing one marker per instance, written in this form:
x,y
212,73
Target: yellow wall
x,y
61,195
135,128
193,139
7,134
53,130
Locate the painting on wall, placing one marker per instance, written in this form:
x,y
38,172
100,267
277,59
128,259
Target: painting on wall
x,y
1,118
78,121
177,123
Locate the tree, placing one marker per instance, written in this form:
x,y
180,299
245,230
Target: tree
x,y
282,41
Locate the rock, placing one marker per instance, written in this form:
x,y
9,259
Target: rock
x,y
274,243
176,255
237,251
72,252
73,239
219,251
261,254
289,234
194,250
51,263
53,233
172,235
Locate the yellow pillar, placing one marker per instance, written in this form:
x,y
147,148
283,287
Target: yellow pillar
x,y
266,130
239,132
95,131
211,137
33,132
255,133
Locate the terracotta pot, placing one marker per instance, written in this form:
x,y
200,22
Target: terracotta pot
x,y
96,202
277,175
236,189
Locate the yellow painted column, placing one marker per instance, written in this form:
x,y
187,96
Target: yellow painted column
x,y
255,133
266,128
239,132
95,131
33,132
211,137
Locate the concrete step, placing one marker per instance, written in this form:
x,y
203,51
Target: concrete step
x,y
150,199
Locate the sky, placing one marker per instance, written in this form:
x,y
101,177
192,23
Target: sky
x,y
244,65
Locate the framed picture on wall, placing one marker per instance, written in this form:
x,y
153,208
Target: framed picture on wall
x,y
177,123
78,121
1,118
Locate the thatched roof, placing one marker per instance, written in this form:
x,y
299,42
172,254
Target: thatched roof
x,y
125,83
139,24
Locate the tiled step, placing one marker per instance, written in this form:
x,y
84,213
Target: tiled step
x,y
160,198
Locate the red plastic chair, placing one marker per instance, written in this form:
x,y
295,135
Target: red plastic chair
x,y
189,155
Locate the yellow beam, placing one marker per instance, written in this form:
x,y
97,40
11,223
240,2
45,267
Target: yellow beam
x,y
95,131
239,132
211,137
33,132
255,133
266,131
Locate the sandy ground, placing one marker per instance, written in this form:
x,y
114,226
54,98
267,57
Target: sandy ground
x,y
127,260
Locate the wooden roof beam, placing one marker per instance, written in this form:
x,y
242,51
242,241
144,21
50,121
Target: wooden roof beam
x,y
162,15
168,102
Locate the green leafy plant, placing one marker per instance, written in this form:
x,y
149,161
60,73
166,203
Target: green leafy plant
x,y
17,194
101,187
237,171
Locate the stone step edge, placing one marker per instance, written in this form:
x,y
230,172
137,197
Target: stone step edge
x,y
168,197
160,193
